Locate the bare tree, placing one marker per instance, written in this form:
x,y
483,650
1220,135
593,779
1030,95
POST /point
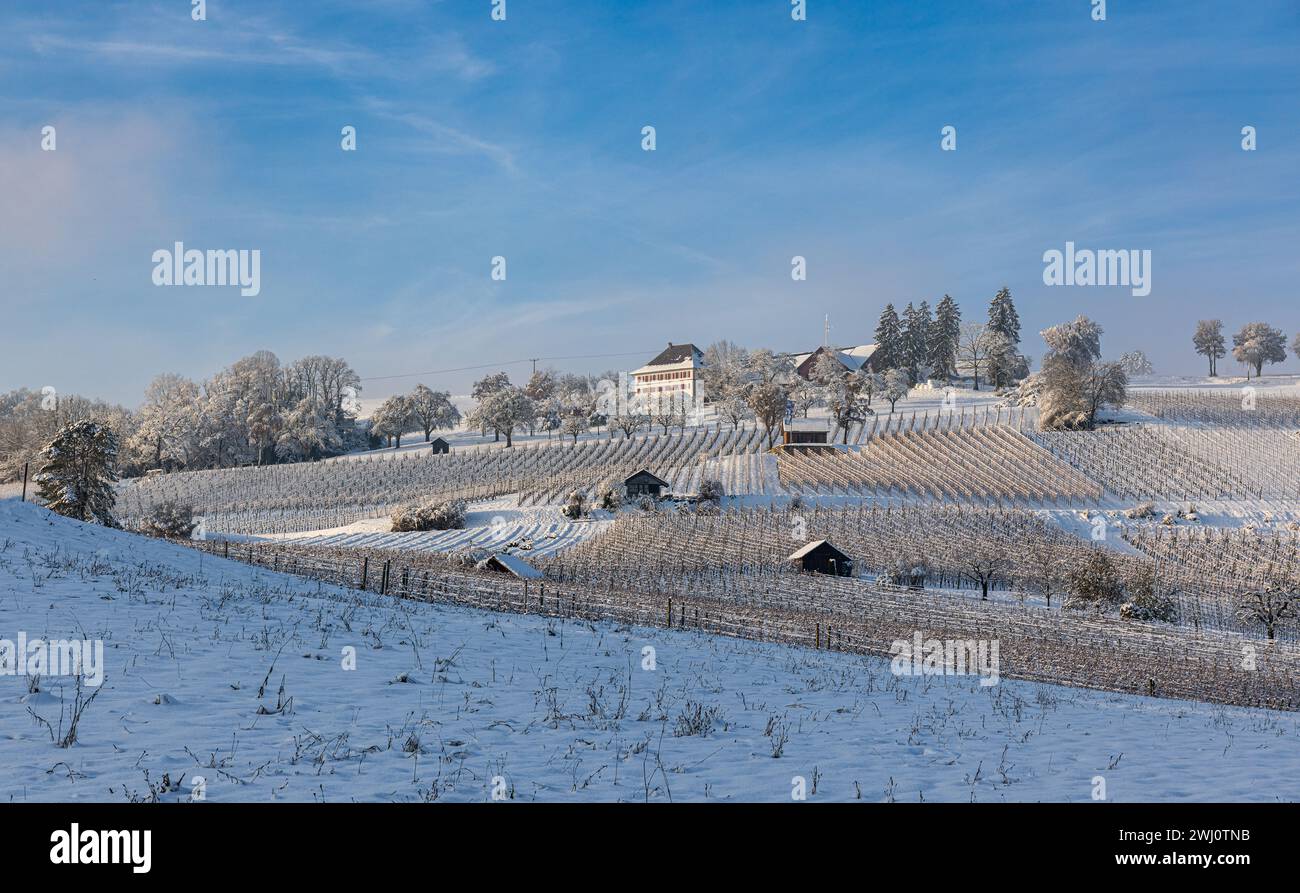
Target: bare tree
x,y
1266,606
986,568
977,345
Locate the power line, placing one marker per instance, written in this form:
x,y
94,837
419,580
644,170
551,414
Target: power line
x,y
533,360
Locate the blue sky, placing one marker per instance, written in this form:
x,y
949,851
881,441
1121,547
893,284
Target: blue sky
x,y
522,138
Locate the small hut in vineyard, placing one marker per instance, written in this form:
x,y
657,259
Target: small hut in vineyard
x,y
643,483
820,557
506,563
439,445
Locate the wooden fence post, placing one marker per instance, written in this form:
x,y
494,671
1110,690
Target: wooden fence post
x,y
365,569
670,613
25,464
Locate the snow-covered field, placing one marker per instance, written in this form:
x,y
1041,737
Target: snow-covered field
x,y
220,670
498,525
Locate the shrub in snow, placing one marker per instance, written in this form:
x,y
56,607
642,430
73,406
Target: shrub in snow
x,y
432,515
905,572
696,719
78,469
712,491
170,520
575,506
1141,510
1093,582
648,504
1147,599
611,499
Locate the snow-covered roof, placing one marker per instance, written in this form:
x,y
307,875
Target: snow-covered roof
x,y
668,367
861,353
513,564
805,550
646,473
673,358
807,425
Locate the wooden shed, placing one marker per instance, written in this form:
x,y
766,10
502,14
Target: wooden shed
x,y
820,557
439,445
799,432
643,483
506,563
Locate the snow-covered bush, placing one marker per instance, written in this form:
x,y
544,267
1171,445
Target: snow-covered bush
x,y
712,491
1093,583
1141,511
575,506
611,499
431,515
170,520
909,572
1147,599
648,504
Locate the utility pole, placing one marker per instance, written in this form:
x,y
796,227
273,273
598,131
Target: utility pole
x,y
534,362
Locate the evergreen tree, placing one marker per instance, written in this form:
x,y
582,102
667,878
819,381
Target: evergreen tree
x,y
78,471
889,341
944,335
916,335
1004,321
1003,318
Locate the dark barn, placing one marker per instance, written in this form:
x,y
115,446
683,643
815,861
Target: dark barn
x,y
438,445
643,483
820,557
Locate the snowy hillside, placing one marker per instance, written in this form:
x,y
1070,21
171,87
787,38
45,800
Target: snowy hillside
x,y
220,670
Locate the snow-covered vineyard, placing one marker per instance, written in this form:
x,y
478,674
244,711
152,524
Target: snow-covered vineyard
x,y
967,526
972,513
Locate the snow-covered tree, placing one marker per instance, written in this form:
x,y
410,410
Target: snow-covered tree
x,y
167,423
1256,344
1267,606
504,410
77,472
766,367
805,394
897,386
767,400
669,413
1135,362
433,410
1003,317
484,388
944,336
1209,343
976,348
1077,341
309,432
393,418
890,350
574,423
848,400
725,372
734,408
916,341
1074,386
